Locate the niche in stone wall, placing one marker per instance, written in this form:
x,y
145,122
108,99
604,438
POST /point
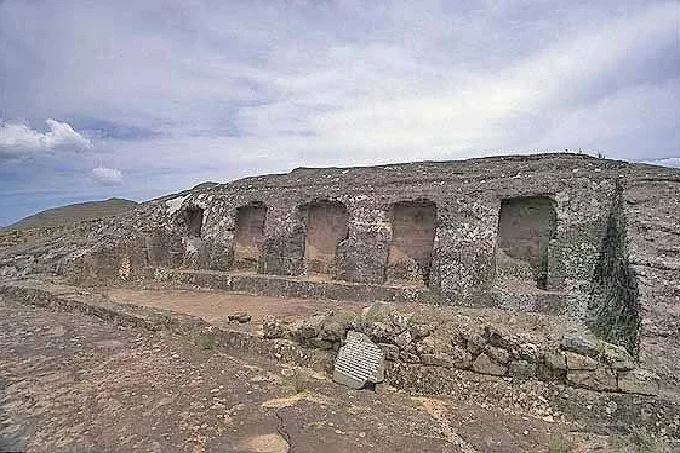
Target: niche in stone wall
x,y
525,227
249,235
193,219
410,254
326,226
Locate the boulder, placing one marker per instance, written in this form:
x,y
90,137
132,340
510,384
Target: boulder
x,y
308,328
475,344
555,360
438,359
580,345
580,362
378,311
618,357
333,331
639,381
273,328
403,340
522,370
499,355
391,351
496,337
528,352
483,364
379,332
419,331
601,379
240,316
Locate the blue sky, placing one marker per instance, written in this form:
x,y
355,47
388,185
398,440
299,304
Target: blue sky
x,y
141,98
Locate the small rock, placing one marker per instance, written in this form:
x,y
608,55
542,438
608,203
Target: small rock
x,y
239,316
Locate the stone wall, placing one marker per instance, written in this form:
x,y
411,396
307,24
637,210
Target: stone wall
x,y
198,230
457,241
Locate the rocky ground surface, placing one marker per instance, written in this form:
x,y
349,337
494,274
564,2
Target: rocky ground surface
x,y
72,382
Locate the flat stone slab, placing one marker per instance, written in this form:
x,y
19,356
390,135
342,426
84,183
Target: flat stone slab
x,y
359,362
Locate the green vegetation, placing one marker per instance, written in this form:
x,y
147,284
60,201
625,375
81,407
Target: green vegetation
x,y
615,308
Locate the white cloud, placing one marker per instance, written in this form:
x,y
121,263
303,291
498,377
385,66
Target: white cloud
x,y
17,139
227,88
667,162
110,176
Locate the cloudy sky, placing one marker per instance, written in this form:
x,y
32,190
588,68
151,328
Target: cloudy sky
x,y
135,98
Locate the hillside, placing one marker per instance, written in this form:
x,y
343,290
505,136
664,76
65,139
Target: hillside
x,y
74,213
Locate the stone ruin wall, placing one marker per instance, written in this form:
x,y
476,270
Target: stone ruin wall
x,y
478,215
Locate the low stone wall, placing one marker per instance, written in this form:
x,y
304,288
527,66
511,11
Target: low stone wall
x,y
485,348
422,356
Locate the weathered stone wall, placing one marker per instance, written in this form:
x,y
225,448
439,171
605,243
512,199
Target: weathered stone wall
x,y
467,196
651,206
464,258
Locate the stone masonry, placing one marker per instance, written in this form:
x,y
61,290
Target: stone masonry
x,y
570,234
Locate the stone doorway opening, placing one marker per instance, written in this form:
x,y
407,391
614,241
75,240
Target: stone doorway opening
x,y
249,236
326,227
525,227
410,254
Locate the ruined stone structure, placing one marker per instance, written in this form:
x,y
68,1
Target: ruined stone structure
x,y
568,234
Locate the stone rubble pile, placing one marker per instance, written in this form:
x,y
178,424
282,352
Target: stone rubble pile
x,y
576,360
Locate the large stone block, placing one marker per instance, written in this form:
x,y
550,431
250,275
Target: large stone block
x,y
601,379
483,364
639,381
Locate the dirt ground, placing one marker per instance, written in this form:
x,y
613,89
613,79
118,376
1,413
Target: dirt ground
x,y
216,306
73,383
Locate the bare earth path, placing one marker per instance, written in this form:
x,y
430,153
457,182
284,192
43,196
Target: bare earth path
x,y
72,383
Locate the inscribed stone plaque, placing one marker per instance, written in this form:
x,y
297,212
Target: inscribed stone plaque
x,y
359,362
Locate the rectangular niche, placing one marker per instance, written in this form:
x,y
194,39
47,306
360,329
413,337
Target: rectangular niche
x,y
193,217
410,254
249,236
326,227
525,227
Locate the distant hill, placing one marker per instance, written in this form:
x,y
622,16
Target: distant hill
x,y
74,213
